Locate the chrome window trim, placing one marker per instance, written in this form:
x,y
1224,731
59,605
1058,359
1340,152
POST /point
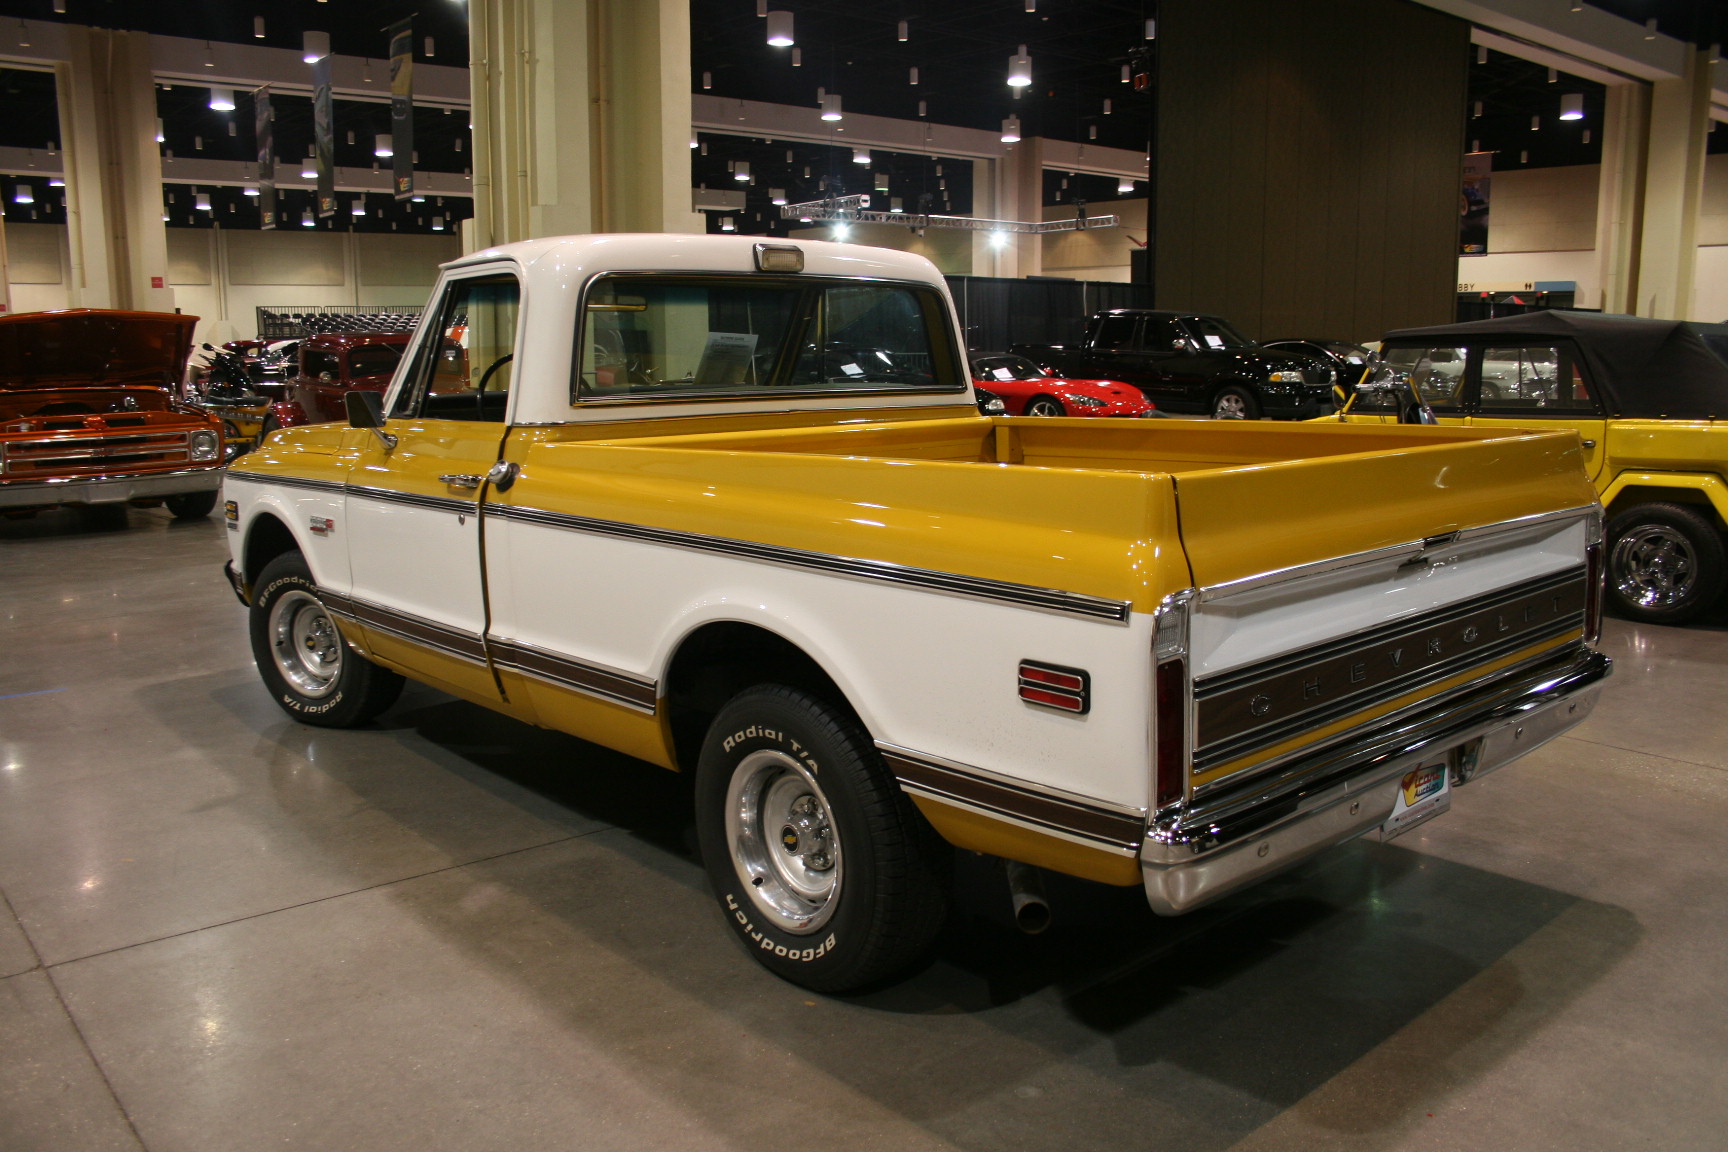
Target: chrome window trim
x,y
799,279
413,499
973,587
1276,576
332,486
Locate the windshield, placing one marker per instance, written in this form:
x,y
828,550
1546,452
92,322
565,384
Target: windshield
x,y
1006,368
671,337
1212,332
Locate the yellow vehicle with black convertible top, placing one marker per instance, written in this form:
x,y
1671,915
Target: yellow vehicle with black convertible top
x,y
729,507
1649,402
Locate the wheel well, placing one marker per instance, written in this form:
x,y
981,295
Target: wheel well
x,y
268,539
720,660
1635,494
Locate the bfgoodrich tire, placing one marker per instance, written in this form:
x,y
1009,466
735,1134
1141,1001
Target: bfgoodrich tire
x,y
821,865
1666,564
310,670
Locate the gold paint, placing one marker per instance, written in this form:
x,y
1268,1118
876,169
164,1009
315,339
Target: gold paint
x,y
965,828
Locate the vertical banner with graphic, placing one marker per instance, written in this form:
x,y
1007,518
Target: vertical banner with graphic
x,y
402,107
264,124
324,137
1473,204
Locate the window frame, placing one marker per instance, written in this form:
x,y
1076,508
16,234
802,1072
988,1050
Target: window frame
x,y
944,352
416,379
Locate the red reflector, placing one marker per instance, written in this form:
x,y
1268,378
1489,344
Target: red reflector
x,y
1171,743
1053,686
1054,699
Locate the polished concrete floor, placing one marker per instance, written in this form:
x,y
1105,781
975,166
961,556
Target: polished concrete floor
x,y
225,931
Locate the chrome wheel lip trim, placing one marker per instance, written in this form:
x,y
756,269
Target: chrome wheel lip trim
x,y
1641,580
767,776
293,621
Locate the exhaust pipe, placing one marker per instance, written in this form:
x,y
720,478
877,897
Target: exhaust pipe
x,y
1026,890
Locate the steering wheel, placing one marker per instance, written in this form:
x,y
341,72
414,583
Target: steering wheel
x,y
480,389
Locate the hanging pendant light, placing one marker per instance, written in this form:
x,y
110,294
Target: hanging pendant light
x,y
222,99
797,57
1019,69
904,31
912,75
159,135
741,171
831,107
314,46
257,27
1572,106
359,208
309,167
23,195
201,201
777,196
250,190
1011,130
780,29
306,220
860,156
382,146
1124,186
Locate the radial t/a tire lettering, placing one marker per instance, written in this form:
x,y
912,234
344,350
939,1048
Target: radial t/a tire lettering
x,y
310,670
821,865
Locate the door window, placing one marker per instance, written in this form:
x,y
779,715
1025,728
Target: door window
x,y
1436,374
1164,334
1214,333
321,365
465,364
1534,380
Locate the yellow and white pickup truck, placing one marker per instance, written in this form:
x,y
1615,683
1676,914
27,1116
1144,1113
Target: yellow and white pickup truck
x,y
729,507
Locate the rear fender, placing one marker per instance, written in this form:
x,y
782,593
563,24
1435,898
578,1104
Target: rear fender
x,y
1711,488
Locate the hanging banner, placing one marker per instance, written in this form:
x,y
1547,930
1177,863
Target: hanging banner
x,y
324,137
402,107
264,126
1473,204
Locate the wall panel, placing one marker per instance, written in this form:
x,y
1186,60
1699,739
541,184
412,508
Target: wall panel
x,y
1306,185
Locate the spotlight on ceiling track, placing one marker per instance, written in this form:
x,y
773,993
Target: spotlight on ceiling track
x,y
222,99
780,29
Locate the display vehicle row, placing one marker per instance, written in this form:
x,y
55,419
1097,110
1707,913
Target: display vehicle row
x,y
729,507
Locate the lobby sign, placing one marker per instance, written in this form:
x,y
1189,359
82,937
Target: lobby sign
x,y
402,108
264,126
1473,204
324,136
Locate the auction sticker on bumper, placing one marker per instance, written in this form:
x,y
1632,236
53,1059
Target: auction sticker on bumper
x,y
1425,793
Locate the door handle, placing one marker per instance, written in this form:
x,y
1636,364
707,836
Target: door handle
x,y
1589,443
460,480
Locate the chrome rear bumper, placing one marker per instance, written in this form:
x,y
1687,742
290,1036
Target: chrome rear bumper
x,y
1348,789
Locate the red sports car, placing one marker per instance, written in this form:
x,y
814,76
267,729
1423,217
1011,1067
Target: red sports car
x,y
1028,390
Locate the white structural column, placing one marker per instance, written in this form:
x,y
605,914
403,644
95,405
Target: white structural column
x,y
1020,196
1620,194
581,118
1673,191
107,98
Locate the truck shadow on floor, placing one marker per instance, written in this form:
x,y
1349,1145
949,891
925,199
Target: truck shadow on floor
x,y
1349,990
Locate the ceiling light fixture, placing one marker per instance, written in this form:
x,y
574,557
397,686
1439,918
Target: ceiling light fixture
x,y
1124,185
1011,130
1107,106
23,195
904,32
707,80
359,208
1572,106
860,156
201,201
222,99
1482,54
1586,135
428,47
257,27
741,171
309,167
306,220
831,107
912,75
1151,29
1476,110
382,146
160,138
249,190
777,196
1127,75
923,108
1535,123
1650,28
693,140
780,29
1019,69
1553,75
437,223
797,57
57,182
314,46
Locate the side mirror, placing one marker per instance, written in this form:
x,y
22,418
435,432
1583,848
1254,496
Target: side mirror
x,y
366,410
1180,344
207,346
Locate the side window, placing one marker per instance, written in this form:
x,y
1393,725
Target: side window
x,y
1534,380
1163,334
320,365
1437,374
1115,333
465,366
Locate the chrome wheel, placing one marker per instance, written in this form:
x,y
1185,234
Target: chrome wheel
x,y
1653,566
783,842
1045,407
305,644
1230,406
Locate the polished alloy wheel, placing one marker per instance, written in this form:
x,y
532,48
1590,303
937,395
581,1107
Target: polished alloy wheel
x,y
783,843
305,643
1230,406
1653,566
1042,407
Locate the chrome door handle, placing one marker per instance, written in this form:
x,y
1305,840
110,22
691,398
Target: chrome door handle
x,y
460,480
1589,443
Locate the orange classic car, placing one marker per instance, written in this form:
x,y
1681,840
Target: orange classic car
x,y
90,414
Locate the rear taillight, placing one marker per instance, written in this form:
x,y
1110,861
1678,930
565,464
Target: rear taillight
x,y
1171,702
1170,743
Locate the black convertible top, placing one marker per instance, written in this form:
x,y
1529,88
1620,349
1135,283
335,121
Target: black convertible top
x,y
1650,369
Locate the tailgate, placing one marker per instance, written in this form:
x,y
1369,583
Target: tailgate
x,y
1341,589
